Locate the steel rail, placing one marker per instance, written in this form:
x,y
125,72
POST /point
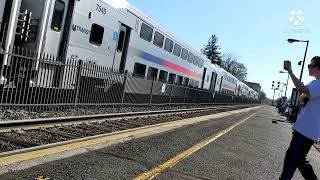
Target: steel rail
x,y
21,123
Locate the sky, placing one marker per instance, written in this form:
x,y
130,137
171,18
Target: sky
x,y
255,31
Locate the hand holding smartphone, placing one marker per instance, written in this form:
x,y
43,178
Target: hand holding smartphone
x,y
287,65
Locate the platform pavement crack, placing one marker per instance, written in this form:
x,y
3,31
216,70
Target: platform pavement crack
x,y
317,146
144,163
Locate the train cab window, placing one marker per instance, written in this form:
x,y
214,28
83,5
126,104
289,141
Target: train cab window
x,y
146,32
96,35
184,54
172,78
190,57
152,73
158,39
177,50
163,76
186,81
139,70
179,80
57,16
168,45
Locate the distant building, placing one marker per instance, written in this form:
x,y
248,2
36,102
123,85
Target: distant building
x,y
254,86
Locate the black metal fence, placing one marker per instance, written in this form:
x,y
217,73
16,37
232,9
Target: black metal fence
x,y
41,81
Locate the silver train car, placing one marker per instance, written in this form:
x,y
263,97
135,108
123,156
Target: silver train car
x,y
111,33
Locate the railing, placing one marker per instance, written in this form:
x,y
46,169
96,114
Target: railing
x,y
34,81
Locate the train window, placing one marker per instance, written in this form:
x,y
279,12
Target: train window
x,y
96,35
184,54
163,76
172,78
57,16
195,61
190,57
179,80
146,32
186,81
200,63
168,45
177,50
152,73
139,70
191,83
196,83
158,39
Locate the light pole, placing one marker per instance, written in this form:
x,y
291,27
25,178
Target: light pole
x,y
282,72
305,53
296,105
274,91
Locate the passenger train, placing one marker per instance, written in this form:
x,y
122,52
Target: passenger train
x,y
114,34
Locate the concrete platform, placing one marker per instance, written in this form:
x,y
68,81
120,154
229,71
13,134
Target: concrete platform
x,y
251,149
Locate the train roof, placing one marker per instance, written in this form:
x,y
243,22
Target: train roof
x,y
124,5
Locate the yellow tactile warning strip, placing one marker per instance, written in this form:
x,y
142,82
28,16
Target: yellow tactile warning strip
x,y
171,162
8,160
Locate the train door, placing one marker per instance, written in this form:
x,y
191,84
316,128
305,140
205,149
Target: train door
x,y
203,77
213,81
56,27
122,48
66,31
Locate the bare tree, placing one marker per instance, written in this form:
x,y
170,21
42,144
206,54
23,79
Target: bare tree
x,y
231,64
262,97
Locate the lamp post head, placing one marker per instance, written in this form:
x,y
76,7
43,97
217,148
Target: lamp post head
x,y
282,72
293,40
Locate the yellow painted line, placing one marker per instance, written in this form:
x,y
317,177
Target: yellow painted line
x,y
171,162
114,137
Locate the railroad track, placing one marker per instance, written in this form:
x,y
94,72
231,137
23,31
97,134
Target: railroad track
x,y
29,135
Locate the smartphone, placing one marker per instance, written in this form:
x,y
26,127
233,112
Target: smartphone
x,y
286,64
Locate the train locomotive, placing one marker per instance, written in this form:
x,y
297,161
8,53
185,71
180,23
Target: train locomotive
x,y
110,33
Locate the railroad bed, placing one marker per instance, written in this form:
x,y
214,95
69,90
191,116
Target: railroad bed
x,y
23,136
35,113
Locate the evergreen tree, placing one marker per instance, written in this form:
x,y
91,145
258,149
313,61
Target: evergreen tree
x,y
211,50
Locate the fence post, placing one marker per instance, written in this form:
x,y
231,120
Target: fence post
x,y
170,101
78,80
151,91
185,94
195,97
124,87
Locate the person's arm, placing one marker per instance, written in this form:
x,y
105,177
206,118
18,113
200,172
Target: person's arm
x,y
297,83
